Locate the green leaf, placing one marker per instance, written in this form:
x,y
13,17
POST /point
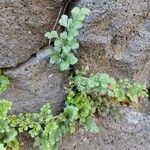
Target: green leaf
x,y
70,21
85,11
72,59
70,38
53,59
75,46
57,49
2,147
64,65
11,136
91,125
64,21
64,35
5,106
77,25
52,34
14,145
50,128
46,109
58,42
75,12
91,84
66,49
81,17
71,112
4,83
73,32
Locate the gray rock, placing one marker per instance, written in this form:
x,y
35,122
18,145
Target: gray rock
x,y
132,132
22,28
34,84
116,38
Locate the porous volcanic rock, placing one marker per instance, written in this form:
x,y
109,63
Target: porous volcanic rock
x,y
22,27
35,83
132,132
116,38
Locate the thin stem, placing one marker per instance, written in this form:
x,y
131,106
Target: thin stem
x,y
60,12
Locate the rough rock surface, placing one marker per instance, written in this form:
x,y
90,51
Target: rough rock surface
x,y
116,38
22,27
130,133
34,84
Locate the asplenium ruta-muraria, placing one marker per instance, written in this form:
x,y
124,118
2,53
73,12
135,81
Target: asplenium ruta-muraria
x,y
66,43
8,134
104,85
108,94
46,129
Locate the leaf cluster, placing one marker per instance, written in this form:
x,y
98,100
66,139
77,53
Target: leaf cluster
x,y
96,93
66,43
46,129
106,86
85,110
108,94
8,134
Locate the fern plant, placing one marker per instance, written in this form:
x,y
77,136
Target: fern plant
x,y
66,43
86,95
108,94
48,130
105,85
85,110
7,133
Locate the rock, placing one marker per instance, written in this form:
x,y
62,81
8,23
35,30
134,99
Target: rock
x,y
116,38
22,28
34,84
131,132
27,143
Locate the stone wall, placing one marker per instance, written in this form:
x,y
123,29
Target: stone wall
x,y
22,27
132,132
34,81
115,39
